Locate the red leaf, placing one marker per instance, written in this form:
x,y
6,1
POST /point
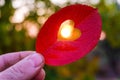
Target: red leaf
x,y
87,20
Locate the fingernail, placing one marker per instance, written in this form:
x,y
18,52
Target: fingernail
x,y
36,59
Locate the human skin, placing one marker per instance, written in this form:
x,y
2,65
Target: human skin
x,y
25,65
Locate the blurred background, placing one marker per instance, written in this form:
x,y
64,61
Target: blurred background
x,y
20,21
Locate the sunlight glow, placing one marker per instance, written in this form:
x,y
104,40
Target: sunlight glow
x,y
41,8
41,11
66,28
40,4
95,2
118,1
20,15
82,1
20,3
31,28
66,31
41,20
32,31
2,2
60,3
102,36
73,1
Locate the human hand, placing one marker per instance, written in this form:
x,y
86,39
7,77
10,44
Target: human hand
x,y
26,65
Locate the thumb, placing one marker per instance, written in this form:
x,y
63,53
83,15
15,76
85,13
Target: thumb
x,y
25,69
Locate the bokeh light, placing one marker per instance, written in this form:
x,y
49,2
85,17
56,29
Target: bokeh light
x,y
118,1
31,28
2,2
103,36
95,2
60,3
23,12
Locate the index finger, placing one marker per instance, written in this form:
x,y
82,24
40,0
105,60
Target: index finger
x,y
9,59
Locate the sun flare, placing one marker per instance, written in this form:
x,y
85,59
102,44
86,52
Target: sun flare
x,y
66,29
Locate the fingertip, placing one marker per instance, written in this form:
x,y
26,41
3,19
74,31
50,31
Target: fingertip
x,y
30,65
37,60
40,75
9,59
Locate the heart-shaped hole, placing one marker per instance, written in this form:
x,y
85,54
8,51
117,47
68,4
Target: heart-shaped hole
x,y
68,32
